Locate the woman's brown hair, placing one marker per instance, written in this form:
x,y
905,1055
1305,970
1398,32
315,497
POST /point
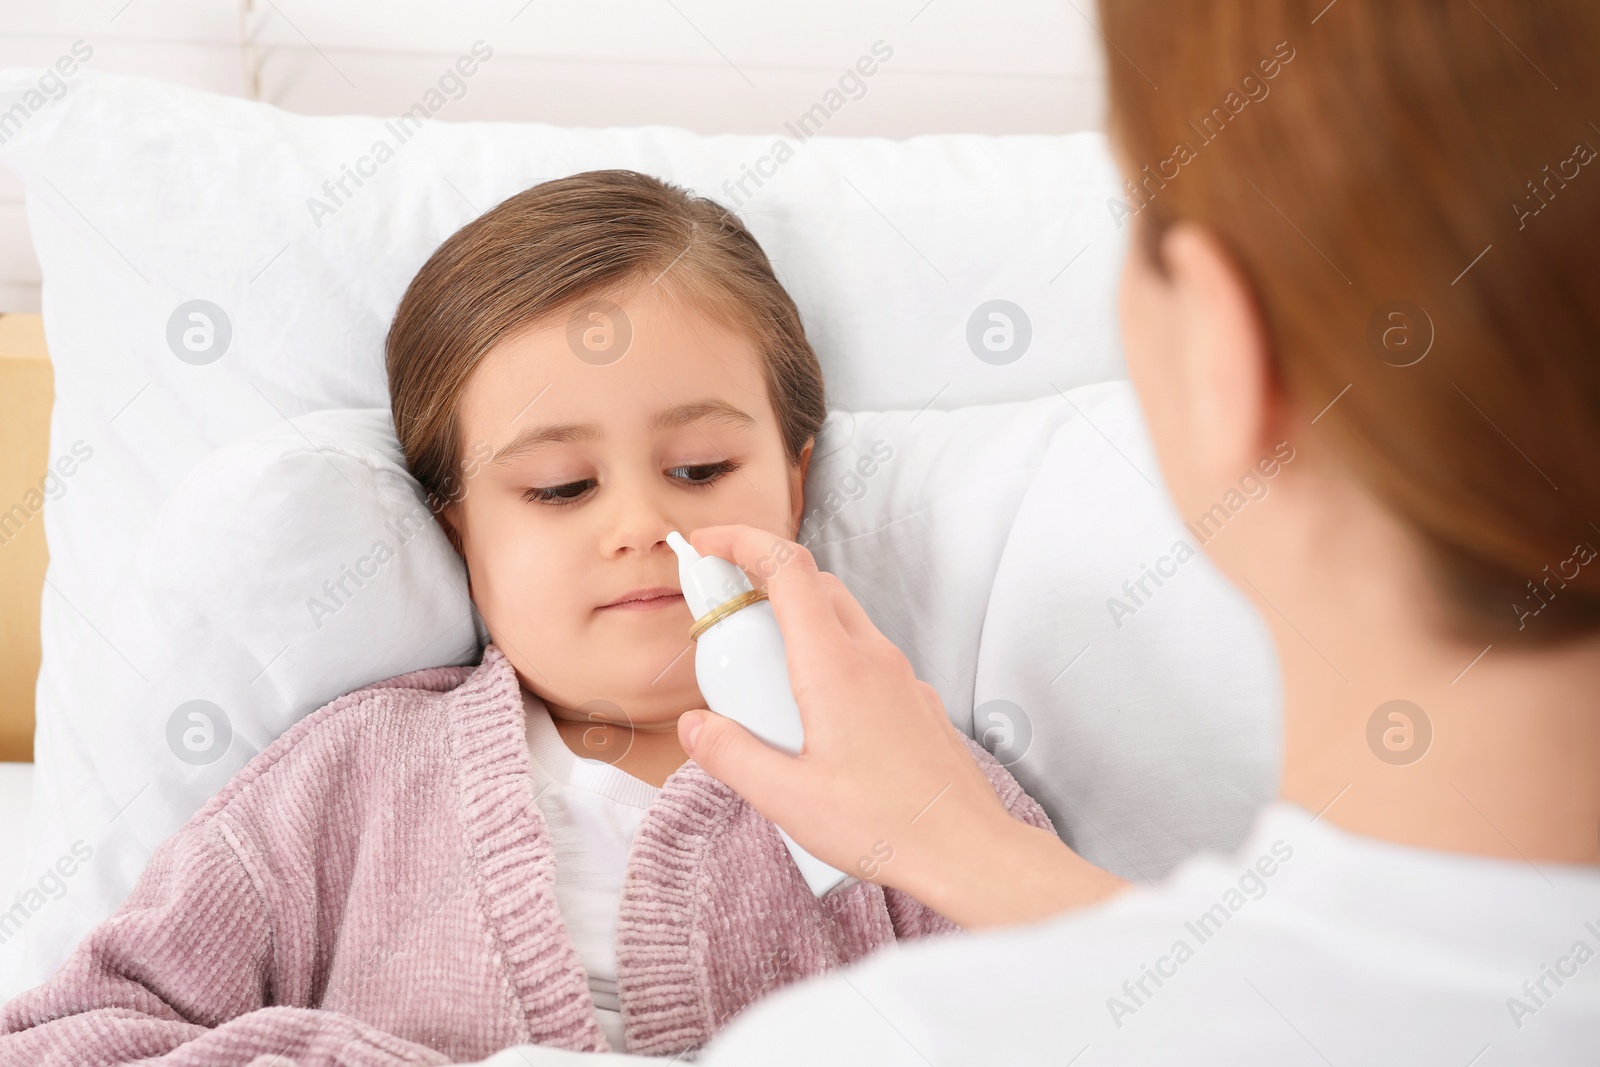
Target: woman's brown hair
x,y
550,249
1388,173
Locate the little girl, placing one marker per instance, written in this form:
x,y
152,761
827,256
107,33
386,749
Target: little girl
x,y
459,859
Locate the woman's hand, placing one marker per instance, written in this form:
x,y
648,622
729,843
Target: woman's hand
x,y
885,788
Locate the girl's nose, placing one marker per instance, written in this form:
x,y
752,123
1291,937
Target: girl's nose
x,y
638,519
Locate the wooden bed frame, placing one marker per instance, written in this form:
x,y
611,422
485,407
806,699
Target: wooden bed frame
x,y
26,383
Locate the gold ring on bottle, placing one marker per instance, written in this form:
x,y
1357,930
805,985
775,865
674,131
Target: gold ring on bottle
x,y
723,610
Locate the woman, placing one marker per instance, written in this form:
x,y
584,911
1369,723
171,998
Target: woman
x,y
1367,227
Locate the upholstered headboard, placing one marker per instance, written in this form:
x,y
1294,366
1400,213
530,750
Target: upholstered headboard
x,y
25,383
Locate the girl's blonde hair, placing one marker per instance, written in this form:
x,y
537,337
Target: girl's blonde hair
x,y
555,246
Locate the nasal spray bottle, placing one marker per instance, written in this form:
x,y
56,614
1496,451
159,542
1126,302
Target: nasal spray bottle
x,y
740,665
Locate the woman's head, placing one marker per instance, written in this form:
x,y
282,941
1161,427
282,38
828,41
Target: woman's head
x,y
1375,223
593,363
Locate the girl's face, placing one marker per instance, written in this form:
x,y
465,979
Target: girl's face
x,y
584,467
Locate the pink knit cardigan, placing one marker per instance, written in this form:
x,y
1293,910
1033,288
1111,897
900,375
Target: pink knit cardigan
x,y
376,888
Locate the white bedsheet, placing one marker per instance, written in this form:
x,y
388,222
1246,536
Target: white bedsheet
x,y
16,795
16,789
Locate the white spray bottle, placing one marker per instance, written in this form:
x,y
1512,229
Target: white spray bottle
x,y
743,674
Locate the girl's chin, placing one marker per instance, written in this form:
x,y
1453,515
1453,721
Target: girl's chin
x,y
653,674
630,641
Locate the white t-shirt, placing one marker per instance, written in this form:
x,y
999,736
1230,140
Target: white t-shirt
x,y
592,810
1351,951
1311,945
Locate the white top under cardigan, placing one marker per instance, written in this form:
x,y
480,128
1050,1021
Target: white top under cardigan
x,y
592,810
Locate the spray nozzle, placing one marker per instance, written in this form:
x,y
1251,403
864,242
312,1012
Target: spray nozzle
x,y
707,581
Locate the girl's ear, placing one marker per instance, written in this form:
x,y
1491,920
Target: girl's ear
x,y
449,519
797,486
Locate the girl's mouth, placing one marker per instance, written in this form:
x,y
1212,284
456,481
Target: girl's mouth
x,y
647,600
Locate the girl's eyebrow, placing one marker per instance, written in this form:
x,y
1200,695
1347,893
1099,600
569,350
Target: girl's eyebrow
x,y
536,437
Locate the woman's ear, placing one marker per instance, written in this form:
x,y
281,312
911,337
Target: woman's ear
x,y
797,486
1222,352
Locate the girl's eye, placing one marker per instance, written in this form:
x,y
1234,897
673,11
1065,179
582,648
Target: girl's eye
x,y
706,473
558,495
697,476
